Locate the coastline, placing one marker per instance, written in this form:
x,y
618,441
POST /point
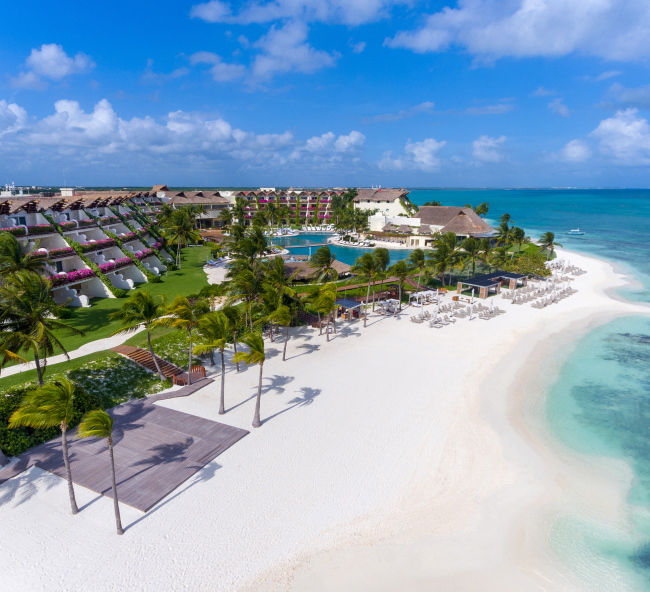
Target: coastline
x,y
389,458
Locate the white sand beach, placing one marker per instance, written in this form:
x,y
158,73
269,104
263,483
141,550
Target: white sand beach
x,y
394,457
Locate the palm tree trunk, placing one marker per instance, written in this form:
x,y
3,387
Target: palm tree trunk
x,y
419,278
327,329
365,310
189,366
256,419
178,254
68,472
155,361
320,326
222,403
37,361
373,296
286,340
234,340
399,308
116,505
334,320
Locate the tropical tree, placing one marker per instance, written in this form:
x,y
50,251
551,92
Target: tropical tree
x,y
232,317
214,331
184,316
499,257
181,231
199,210
275,277
482,209
401,271
485,247
519,237
446,256
226,217
99,424
321,261
366,268
51,405
504,234
247,285
14,258
141,309
472,250
382,257
504,219
432,203
325,304
28,318
255,355
271,211
417,261
282,316
239,210
547,242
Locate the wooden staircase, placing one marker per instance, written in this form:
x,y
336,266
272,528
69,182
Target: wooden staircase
x,y
143,358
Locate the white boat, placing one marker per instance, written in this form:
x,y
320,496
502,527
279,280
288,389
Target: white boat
x,y
575,232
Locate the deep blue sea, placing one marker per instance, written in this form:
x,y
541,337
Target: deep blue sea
x,y
599,403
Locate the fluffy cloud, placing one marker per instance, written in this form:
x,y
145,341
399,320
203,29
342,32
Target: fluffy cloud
x,y
624,138
358,47
486,149
52,62
525,28
417,155
329,148
221,71
543,92
12,118
151,77
426,107
559,108
632,97
349,12
576,151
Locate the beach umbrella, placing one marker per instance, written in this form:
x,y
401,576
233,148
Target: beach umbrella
x,y
491,305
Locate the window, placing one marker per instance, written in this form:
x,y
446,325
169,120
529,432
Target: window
x,y
59,266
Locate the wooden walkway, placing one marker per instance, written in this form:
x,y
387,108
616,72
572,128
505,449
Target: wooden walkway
x,y
156,450
143,358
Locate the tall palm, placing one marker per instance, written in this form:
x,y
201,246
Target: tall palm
x,y
547,242
184,316
366,268
382,257
199,210
499,257
401,271
246,285
99,424
214,330
518,237
275,276
321,261
141,309
485,247
282,316
472,250
504,219
28,318
181,232
255,355
14,258
49,406
271,211
232,316
417,261
326,305
226,217
165,214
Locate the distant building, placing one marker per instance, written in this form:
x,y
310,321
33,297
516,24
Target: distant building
x,y
212,201
389,202
463,222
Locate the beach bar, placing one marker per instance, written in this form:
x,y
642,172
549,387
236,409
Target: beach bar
x,y
348,308
492,282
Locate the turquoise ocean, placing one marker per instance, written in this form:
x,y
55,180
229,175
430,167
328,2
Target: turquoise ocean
x,y
598,403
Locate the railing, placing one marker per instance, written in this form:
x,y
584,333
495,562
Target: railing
x,y
71,277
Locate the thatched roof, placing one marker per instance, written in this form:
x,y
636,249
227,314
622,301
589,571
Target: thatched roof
x,y
425,229
380,195
389,228
305,270
405,228
453,219
197,197
157,188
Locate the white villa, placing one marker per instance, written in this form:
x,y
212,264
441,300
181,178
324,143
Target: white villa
x,y
388,202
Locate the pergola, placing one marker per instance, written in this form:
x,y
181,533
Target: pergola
x,y
349,305
492,282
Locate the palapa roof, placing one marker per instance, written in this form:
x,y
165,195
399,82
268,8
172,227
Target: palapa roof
x,y
380,195
389,228
157,188
453,219
404,228
305,270
425,229
197,197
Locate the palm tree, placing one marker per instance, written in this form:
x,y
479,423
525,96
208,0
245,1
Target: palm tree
x,y
199,210
417,261
382,257
485,246
322,261
482,209
283,316
226,217
256,355
28,318
181,229
472,250
504,219
519,238
499,257
184,317
247,285
366,268
49,406
214,330
547,242
140,309
232,317
401,271
13,258
271,211
275,276
504,234
99,424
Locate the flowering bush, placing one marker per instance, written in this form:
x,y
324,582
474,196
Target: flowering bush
x,y
40,229
63,252
129,236
158,245
86,223
38,254
71,277
100,244
68,225
113,265
143,254
16,230
104,220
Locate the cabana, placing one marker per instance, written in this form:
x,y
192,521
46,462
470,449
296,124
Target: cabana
x,y
349,307
492,282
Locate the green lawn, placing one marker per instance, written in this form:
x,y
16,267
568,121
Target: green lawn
x,y
94,321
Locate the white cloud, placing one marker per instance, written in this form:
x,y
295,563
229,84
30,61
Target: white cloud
x,y
576,151
349,12
486,149
625,138
632,97
417,155
286,49
543,92
358,47
526,28
426,107
221,71
559,108
489,109
329,148
50,61
151,77
12,118
606,75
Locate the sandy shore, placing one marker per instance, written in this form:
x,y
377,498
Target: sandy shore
x,y
392,458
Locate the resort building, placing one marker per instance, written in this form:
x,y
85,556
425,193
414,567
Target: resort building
x,y
463,222
491,282
387,202
211,203
95,243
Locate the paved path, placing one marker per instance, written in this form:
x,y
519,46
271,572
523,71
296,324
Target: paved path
x,y
88,348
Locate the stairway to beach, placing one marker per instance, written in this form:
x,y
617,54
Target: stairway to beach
x,y
143,358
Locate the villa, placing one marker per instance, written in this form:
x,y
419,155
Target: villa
x,y
389,202
213,202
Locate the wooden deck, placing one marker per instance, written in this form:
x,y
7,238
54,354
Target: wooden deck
x,y
156,450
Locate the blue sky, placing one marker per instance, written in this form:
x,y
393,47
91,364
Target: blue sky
x,y
479,93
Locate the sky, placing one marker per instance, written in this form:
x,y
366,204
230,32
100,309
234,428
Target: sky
x,y
478,93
